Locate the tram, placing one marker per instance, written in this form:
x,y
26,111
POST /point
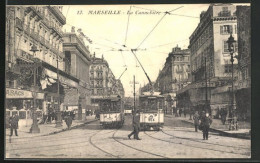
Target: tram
x,y
111,112
151,111
128,109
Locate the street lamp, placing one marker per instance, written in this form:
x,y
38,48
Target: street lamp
x,y
34,128
58,121
231,49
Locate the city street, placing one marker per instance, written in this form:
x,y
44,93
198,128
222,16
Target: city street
x,y
177,139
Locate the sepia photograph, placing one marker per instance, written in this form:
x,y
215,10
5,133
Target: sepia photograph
x,y
128,81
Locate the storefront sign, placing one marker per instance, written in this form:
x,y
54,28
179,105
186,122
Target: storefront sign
x,y
18,93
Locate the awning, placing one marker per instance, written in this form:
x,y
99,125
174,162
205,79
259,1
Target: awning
x,y
222,89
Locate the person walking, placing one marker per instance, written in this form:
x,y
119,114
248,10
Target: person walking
x,y
205,124
180,112
136,125
68,121
14,124
223,115
196,118
184,112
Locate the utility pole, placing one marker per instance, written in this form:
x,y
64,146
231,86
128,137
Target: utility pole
x,y
206,84
134,96
59,120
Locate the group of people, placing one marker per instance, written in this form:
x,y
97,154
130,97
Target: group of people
x,y
180,111
202,122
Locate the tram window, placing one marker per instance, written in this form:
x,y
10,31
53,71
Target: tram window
x,y
152,104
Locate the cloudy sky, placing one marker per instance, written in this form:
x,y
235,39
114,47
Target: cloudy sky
x,y
108,32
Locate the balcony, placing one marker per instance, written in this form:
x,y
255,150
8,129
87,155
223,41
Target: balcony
x,y
19,23
47,44
46,21
42,40
55,10
179,71
37,11
24,55
54,50
56,29
224,14
27,29
34,35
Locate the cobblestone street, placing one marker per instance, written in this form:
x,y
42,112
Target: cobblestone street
x,y
177,139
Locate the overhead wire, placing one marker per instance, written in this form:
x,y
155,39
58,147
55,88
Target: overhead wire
x,y
157,25
127,26
151,30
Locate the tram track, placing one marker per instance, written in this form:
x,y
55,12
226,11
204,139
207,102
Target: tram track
x,y
113,136
60,146
189,145
190,139
94,145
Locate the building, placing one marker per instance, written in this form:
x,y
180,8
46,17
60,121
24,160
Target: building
x,y
40,27
102,81
210,60
77,62
174,76
243,83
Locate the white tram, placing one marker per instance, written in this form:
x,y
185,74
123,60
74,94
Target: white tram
x,y
111,112
151,111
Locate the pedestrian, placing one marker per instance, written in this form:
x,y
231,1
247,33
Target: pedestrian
x,y
180,112
196,118
205,124
14,124
136,126
68,121
184,113
223,115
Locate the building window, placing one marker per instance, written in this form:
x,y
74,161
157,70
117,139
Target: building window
x,y
225,12
226,29
228,68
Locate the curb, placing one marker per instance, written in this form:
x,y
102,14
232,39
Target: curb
x,y
223,133
66,129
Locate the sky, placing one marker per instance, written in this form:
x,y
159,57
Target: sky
x,y
155,34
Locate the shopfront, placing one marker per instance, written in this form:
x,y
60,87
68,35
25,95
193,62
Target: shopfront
x,y
21,102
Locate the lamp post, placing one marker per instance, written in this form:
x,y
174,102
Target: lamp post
x,y
58,120
231,49
34,128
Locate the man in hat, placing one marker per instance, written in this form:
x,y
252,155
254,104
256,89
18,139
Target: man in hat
x,y
196,118
14,124
205,123
136,125
68,121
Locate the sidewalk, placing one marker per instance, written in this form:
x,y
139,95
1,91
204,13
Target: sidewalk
x,y
217,126
47,129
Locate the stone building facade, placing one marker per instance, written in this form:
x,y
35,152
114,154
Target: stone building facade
x,y
77,62
210,60
174,76
243,83
102,81
41,27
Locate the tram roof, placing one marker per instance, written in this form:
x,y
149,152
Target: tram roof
x,y
155,94
111,97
